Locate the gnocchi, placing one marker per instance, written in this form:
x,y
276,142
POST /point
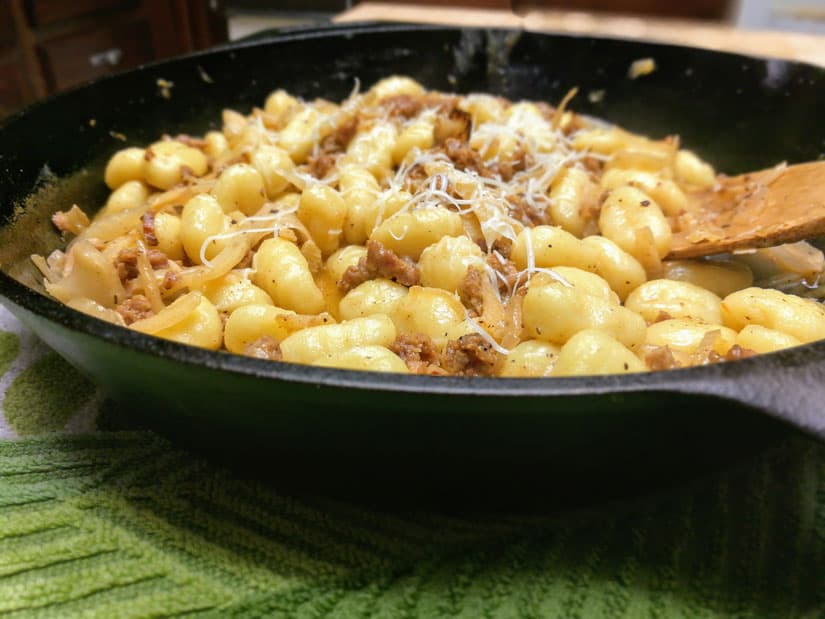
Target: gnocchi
x,y
409,230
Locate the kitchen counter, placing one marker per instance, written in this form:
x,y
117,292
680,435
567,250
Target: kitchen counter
x,y
712,35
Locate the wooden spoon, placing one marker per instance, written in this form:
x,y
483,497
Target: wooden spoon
x,y
758,209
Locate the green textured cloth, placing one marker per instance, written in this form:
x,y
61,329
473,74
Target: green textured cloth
x,y
122,524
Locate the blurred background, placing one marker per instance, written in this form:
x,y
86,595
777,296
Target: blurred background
x,y
50,45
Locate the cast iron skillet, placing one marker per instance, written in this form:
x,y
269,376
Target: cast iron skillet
x,y
332,425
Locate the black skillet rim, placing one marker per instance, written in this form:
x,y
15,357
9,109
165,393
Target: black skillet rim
x,y
688,380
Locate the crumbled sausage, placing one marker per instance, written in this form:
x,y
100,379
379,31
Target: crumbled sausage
x,y
507,270
471,355
507,168
454,124
354,276
157,259
339,139
415,179
464,157
734,353
528,214
170,278
331,146
389,265
404,106
503,246
126,262
380,262
135,308
418,351
593,165
148,221
321,164
471,289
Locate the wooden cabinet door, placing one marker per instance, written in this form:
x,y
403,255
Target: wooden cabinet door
x,y
49,45
82,56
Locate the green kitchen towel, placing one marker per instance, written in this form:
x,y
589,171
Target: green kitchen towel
x,y
117,524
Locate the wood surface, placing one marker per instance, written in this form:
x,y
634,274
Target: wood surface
x,y
706,34
769,207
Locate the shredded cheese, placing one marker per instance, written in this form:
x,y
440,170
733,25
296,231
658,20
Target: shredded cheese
x,y
490,163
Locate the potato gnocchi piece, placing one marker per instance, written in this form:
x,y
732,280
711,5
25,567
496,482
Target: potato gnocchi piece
x,y
233,291
166,163
202,221
592,351
249,323
571,196
410,233
200,327
581,281
552,246
313,343
666,298
322,210
690,340
444,264
428,311
556,313
166,228
761,339
621,270
275,167
374,358
128,195
301,131
283,272
531,358
240,187
125,165
625,214
375,296
801,318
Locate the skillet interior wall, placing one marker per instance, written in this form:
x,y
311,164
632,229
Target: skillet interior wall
x,y
740,113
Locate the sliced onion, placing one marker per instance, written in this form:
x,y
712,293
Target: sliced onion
x,y
111,226
178,195
95,309
147,278
169,316
42,266
219,266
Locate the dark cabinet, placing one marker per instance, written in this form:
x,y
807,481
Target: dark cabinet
x,y
50,45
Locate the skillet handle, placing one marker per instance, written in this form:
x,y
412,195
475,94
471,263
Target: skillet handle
x,y
788,386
